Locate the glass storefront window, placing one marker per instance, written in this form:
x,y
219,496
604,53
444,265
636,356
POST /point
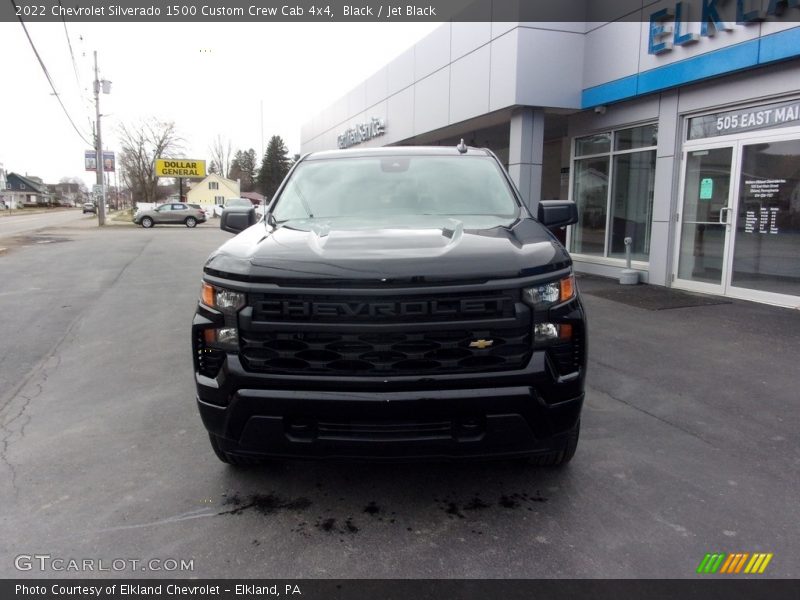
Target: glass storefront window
x,y
593,144
607,214
591,196
636,137
767,243
632,203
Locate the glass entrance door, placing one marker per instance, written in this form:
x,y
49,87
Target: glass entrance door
x,y
766,251
705,219
740,219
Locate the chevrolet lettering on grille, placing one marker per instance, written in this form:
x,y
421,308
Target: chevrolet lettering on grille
x,y
304,309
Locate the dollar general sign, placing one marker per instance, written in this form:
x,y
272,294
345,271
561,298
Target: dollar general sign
x,y
180,167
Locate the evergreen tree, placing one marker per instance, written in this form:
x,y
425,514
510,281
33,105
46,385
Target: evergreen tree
x,y
249,165
235,171
274,167
243,168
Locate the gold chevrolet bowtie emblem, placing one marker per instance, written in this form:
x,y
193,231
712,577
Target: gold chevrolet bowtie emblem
x,y
481,344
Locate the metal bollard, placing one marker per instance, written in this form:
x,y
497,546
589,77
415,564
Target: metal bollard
x,y
628,276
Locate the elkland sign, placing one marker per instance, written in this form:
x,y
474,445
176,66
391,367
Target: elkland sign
x,y
361,132
680,25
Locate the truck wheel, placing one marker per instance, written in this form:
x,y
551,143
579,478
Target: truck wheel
x,y
559,457
190,221
231,459
147,222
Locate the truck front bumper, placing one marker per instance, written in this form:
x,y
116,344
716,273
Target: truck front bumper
x,y
521,413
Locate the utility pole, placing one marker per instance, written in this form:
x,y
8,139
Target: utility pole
x,y
98,141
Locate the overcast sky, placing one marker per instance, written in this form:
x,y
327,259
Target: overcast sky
x,y
208,78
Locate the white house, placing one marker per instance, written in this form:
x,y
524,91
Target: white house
x,y
213,190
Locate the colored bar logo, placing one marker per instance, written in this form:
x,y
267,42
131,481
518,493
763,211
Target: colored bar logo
x,y
734,563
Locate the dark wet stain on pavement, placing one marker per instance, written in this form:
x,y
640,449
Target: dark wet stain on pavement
x,y
264,504
453,507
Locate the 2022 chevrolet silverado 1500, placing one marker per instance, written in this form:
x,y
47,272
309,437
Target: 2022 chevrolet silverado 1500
x,y
394,302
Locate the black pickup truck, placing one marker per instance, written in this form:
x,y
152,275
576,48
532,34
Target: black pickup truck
x,y
392,303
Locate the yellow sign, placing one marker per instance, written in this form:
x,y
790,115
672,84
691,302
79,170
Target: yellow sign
x,y
180,167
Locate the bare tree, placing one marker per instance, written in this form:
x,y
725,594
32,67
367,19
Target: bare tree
x,y
221,153
77,181
141,145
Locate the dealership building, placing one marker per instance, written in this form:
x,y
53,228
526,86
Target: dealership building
x,y
678,131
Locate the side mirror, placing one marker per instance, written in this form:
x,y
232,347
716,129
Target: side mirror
x,y
557,213
237,218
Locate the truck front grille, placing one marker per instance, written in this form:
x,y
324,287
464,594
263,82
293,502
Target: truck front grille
x,y
388,431
367,308
377,354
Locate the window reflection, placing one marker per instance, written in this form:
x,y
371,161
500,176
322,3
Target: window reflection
x,y
631,168
767,244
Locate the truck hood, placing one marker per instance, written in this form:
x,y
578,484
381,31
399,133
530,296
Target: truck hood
x,y
419,249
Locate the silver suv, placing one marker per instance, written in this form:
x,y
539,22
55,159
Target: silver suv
x,y
170,214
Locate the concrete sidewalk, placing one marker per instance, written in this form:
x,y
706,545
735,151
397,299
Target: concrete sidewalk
x,y
21,212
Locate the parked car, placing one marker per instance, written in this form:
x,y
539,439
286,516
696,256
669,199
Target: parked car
x,y
231,202
206,212
174,213
89,207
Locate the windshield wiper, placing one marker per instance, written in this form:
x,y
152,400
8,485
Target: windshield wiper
x,y
304,202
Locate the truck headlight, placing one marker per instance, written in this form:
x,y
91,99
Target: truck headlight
x,y
545,295
228,301
544,333
224,337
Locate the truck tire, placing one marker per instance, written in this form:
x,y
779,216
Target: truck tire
x,y
231,459
559,457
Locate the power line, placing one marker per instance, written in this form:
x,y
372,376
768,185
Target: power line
x,y
49,79
81,90
72,55
88,102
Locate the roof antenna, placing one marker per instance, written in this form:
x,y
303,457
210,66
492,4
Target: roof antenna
x,y
462,147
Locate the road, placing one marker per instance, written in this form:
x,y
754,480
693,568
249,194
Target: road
x,y
689,442
20,224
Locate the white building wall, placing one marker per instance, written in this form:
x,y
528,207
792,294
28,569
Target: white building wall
x,y
549,68
625,38
458,72
469,85
431,102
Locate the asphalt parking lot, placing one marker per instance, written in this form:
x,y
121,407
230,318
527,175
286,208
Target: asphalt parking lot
x,y
689,442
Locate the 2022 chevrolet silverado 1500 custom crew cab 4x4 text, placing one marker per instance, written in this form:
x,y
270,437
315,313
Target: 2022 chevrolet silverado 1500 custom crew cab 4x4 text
x,y
394,302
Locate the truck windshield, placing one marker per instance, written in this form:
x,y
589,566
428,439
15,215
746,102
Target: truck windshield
x,y
470,189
